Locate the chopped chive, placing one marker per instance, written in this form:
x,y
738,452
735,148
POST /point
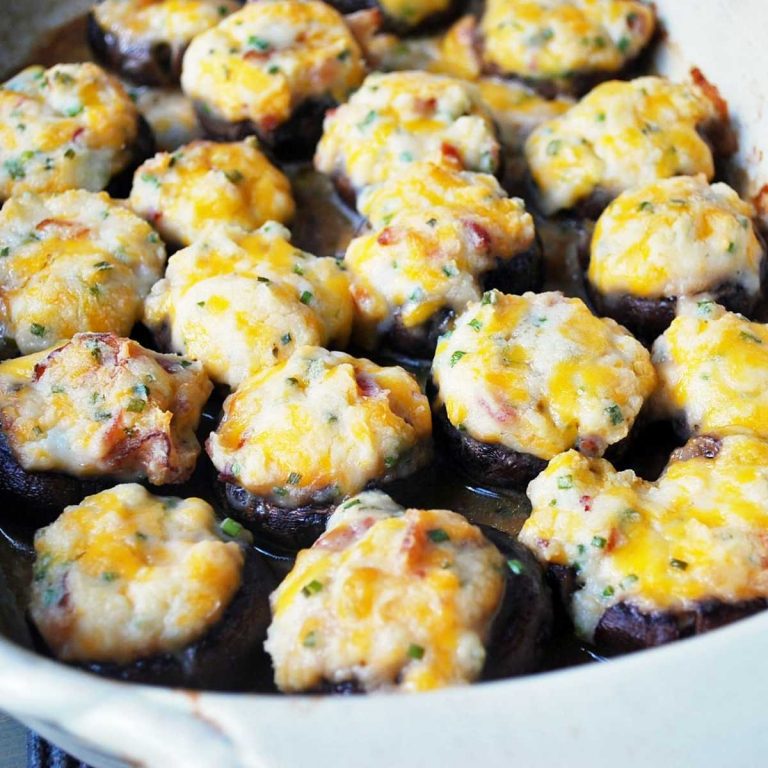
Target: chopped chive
x,y
136,405
646,205
351,503
681,565
554,147
747,336
614,414
259,43
390,461
623,44
415,651
110,576
456,356
231,527
234,176
286,338
599,542
37,330
564,482
608,591
476,324
306,297
69,154
731,247
311,588
263,279
310,639
438,535
515,566
278,490
294,478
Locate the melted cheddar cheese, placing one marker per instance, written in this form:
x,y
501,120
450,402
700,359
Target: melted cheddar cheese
x,y
125,575
104,405
388,598
410,13
71,126
699,532
147,22
266,59
207,183
539,374
436,231
319,426
675,237
242,301
75,261
540,39
620,135
711,366
399,118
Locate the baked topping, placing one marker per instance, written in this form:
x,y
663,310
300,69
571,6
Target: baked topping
x,y
184,192
698,533
675,237
142,22
126,575
711,366
67,127
539,374
75,261
387,598
559,38
319,426
621,135
403,117
104,405
263,61
436,231
242,301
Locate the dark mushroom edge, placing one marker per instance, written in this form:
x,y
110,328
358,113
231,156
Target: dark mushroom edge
x,y
142,149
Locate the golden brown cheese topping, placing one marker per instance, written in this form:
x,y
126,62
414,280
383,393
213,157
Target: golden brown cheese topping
x,y
242,301
388,598
126,575
697,533
71,126
539,374
540,39
436,231
403,117
206,183
266,59
176,22
75,261
410,13
675,237
620,135
711,366
104,405
319,426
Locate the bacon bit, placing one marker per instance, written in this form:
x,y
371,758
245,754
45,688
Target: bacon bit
x,y
154,216
503,412
364,25
425,107
366,385
68,230
389,236
269,122
613,539
760,200
78,133
255,55
586,502
413,548
478,235
451,154
340,538
591,446
636,22
711,92
152,452
542,543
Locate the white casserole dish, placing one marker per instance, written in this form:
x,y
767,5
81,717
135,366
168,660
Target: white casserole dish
x,y
696,702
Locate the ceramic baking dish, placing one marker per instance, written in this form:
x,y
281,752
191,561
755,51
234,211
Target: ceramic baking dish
x,y
698,702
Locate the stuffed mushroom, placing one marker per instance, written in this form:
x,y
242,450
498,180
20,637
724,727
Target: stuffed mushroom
x,y
303,435
273,69
243,301
96,408
405,599
674,238
642,563
406,16
437,238
399,118
72,126
144,40
712,368
150,589
522,378
70,262
622,135
182,193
